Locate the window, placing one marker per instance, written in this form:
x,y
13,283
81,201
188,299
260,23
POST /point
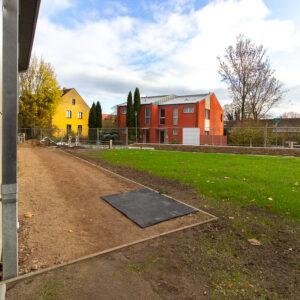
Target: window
x,y
69,114
147,116
79,115
73,101
79,129
162,117
175,116
175,131
69,128
188,110
207,114
221,117
206,132
123,110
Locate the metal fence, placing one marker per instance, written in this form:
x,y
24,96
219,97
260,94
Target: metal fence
x,y
231,136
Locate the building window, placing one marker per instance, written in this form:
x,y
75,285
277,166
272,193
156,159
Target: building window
x,y
162,117
79,115
79,129
175,131
73,101
188,110
147,116
124,110
221,117
206,132
69,114
175,116
69,128
207,114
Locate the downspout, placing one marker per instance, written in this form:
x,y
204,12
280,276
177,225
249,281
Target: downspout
x,y
10,9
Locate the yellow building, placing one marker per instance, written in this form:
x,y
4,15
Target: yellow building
x,y
72,113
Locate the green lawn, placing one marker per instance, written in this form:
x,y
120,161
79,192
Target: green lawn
x,y
266,181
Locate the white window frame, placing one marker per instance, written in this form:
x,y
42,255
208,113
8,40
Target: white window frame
x,y
124,110
69,114
188,110
175,116
80,115
207,114
162,118
147,117
175,131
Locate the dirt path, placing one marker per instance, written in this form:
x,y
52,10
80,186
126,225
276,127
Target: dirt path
x,y
61,214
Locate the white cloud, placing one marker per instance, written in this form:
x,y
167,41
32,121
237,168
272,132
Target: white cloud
x,y
52,7
104,58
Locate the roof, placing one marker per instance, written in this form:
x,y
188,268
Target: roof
x,y
171,99
29,11
65,91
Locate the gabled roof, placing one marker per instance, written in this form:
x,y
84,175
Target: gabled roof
x,y
66,91
172,99
186,99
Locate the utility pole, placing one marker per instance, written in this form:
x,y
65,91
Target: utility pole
x,y
136,130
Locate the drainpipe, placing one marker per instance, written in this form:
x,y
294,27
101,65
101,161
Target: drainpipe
x,y
9,95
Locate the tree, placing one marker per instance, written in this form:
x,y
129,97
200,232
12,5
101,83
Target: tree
x,y
130,112
250,78
92,117
98,110
137,106
39,95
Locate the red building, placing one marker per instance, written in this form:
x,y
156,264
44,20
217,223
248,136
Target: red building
x,y
189,120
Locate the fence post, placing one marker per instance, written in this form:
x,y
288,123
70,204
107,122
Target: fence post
x,y
98,142
265,136
126,136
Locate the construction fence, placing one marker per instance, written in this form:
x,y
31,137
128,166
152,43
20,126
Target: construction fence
x,y
230,136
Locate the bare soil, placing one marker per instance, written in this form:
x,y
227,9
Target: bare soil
x,y
61,214
214,261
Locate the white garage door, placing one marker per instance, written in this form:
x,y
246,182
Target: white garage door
x,y
191,136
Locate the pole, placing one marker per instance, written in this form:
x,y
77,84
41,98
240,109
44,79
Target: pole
x,y
9,94
135,114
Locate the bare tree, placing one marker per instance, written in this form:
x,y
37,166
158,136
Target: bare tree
x,y
250,78
290,115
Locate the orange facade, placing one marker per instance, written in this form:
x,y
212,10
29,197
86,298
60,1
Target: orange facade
x,y
165,122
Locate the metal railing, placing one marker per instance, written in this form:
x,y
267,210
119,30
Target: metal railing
x,y
229,136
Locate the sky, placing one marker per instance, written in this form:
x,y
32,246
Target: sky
x,y
106,48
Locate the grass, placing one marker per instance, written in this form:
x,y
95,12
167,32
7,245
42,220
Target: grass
x,y
264,181
51,290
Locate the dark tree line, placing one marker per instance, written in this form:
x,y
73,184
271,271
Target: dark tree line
x,y
95,120
95,116
133,114
133,109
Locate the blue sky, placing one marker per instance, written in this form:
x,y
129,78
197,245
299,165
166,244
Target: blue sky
x,y
106,48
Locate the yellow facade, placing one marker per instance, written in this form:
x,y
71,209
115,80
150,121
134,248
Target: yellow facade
x,y
72,114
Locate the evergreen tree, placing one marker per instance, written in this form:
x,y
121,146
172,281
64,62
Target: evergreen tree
x,y
92,116
137,106
130,112
92,123
98,115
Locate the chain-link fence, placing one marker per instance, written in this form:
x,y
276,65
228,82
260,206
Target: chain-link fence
x,y
230,136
